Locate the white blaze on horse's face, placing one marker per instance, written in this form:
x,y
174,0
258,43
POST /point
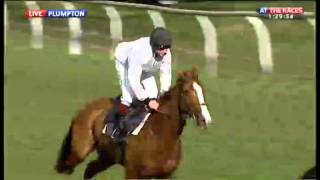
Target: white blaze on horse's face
x,y
204,109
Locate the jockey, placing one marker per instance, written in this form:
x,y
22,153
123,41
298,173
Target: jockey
x,y
137,63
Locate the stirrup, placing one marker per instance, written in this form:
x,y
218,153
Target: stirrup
x,y
119,135
115,133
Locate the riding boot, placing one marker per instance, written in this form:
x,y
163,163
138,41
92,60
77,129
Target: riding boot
x,y
120,130
129,122
110,122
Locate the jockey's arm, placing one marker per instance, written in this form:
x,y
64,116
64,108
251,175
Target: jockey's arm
x,y
165,73
134,76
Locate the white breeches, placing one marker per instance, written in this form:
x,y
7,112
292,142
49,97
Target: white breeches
x,y
148,82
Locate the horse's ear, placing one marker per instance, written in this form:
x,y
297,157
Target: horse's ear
x,y
180,76
195,72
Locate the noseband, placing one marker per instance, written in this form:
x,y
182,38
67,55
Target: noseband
x,y
188,113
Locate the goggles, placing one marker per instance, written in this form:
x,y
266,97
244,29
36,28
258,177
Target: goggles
x,y
163,47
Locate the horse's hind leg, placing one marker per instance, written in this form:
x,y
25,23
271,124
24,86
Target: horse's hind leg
x,y
96,166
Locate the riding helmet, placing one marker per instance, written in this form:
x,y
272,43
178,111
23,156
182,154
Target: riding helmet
x,y
160,38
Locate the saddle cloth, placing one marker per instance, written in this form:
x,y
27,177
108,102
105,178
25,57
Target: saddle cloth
x,y
139,127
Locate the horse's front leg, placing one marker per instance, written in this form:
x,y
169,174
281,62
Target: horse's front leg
x,y
96,166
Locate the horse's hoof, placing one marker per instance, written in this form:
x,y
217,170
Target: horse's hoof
x,y
64,169
93,178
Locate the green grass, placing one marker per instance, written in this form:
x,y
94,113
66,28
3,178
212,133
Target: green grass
x,y
265,124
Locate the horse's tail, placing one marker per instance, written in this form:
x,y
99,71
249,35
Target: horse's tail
x,y
80,139
65,150
76,146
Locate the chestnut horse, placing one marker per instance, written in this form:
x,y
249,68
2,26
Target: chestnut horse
x,y
154,153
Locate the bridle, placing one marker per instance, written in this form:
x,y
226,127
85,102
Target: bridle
x,y
187,112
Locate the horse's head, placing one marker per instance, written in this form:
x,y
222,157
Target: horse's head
x,y
192,101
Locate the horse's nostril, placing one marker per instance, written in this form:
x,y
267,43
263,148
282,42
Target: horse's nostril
x,y
201,121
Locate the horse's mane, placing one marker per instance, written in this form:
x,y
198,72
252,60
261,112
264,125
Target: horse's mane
x,y
167,95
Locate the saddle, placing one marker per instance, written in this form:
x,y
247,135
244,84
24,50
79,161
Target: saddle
x,y
118,129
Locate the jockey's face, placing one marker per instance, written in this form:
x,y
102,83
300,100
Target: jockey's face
x,y
162,51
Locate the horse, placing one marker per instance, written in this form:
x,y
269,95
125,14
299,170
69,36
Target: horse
x,y
310,174
155,152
